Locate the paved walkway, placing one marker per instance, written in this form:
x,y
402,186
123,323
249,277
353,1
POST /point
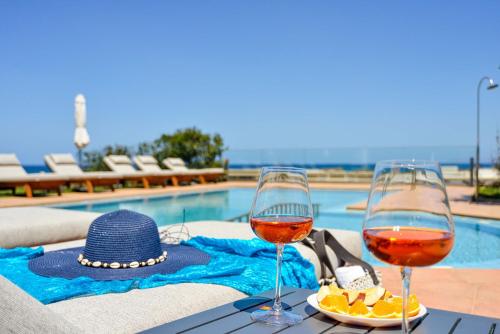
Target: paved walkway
x,y
460,204
475,291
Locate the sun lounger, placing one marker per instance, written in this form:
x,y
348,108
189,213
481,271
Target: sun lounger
x,y
123,165
148,163
454,174
204,174
140,309
65,165
12,175
489,175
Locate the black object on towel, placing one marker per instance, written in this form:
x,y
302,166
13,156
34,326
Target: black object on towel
x,y
318,240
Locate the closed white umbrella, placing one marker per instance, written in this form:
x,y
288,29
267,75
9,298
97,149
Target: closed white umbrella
x,y
81,138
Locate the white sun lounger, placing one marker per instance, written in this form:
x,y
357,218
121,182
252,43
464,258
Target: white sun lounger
x,y
148,163
66,165
123,165
204,174
12,175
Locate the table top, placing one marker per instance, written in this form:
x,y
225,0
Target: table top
x,y
235,318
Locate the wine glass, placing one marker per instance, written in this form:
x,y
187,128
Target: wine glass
x,y
408,221
281,213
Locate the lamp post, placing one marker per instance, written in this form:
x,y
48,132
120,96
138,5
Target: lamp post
x,y
491,85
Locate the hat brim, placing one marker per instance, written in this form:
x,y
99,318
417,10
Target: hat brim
x,y
64,263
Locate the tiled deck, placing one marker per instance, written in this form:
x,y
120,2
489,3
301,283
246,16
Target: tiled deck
x,y
460,204
474,291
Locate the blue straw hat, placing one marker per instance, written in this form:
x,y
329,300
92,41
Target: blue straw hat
x,y
120,245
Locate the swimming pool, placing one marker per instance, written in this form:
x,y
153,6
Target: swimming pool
x,y
477,242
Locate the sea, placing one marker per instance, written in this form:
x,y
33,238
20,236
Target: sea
x,y
344,166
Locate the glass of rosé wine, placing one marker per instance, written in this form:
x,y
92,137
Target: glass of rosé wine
x,y
408,222
281,213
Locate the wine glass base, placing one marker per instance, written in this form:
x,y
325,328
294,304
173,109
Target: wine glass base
x,y
276,319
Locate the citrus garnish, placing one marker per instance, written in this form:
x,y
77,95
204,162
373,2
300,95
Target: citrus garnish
x,y
359,309
384,309
335,303
374,302
413,305
335,290
322,293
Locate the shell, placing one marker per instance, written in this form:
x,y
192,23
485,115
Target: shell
x,y
157,260
80,257
165,253
89,264
134,264
96,264
124,265
150,262
161,258
114,265
105,265
83,262
143,264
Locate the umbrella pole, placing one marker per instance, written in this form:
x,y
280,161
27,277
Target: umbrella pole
x,y
80,157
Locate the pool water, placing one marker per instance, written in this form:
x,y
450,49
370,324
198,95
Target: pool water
x,y
477,241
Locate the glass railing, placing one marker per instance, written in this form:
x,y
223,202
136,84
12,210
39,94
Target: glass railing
x,y
352,158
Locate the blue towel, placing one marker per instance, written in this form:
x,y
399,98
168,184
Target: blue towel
x,y
246,265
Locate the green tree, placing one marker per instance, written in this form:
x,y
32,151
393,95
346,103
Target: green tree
x,y
196,148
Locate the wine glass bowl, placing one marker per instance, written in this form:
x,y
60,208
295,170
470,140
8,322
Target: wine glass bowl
x,y
408,221
281,213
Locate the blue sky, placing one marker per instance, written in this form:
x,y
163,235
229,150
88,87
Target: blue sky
x,y
264,74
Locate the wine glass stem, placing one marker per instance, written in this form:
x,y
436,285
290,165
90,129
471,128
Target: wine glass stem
x,y
405,276
277,308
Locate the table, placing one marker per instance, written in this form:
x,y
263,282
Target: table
x,y
235,318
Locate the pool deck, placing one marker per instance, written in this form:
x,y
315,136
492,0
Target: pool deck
x,y
460,204
473,291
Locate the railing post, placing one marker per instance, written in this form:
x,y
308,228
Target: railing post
x,y
471,169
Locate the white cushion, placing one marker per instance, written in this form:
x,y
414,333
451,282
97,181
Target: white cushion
x,y
62,164
147,159
120,159
141,309
147,163
176,164
10,167
20,313
63,158
32,226
11,171
123,166
9,159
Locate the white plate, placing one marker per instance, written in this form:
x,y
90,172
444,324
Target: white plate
x,y
370,322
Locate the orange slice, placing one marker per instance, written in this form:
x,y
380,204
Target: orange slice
x,y
335,303
335,290
359,309
413,305
384,309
